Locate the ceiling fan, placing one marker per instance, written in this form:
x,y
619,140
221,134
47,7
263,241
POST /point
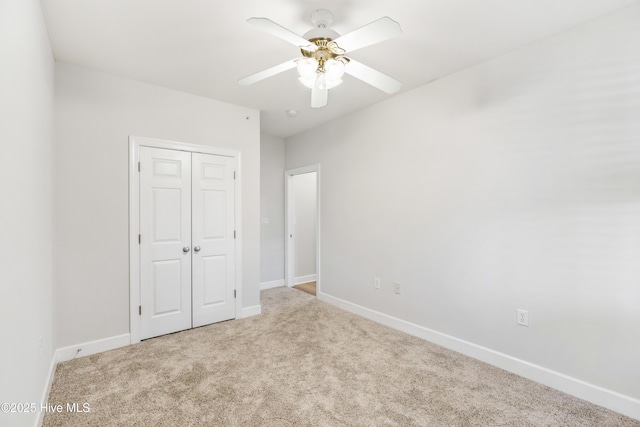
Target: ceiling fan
x,y
323,61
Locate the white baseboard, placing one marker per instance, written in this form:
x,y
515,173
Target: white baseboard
x,y
250,311
271,284
47,390
304,279
626,405
91,347
68,353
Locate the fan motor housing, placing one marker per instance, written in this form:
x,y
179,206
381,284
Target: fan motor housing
x,y
321,19
321,33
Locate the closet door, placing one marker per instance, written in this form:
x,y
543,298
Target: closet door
x,y
213,239
165,241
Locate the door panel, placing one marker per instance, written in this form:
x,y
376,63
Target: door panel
x,y
213,231
166,221
215,271
165,229
167,296
214,220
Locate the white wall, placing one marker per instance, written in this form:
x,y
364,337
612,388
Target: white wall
x,y
95,114
26,122
272,210
512,184
305,206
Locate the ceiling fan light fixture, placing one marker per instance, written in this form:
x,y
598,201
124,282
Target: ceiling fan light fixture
x,y
307,68
334,70
309,72
324,51
311,83
321,81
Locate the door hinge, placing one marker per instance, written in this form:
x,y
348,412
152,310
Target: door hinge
x,y
234,174
139,238
234,234
138,166
140,310
234,293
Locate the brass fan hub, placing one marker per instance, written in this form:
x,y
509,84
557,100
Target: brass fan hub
x,y
327,50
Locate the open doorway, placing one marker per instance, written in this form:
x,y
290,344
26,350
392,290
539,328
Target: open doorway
x,y
302,248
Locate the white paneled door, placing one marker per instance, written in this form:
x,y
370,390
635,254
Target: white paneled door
x,y
212,236
165,231
186,240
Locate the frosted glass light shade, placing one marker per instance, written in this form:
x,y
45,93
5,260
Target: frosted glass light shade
x,y
334,70
307,82
310,83
307,68
308,71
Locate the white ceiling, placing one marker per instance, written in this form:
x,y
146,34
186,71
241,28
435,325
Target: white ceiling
x,y
205,46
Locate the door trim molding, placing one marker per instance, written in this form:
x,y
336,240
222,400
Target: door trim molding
x,y
135,142
289,271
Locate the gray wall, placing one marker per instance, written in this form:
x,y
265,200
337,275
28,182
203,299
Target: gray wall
x,y
305,206
95,114
271,209
512,184
26,123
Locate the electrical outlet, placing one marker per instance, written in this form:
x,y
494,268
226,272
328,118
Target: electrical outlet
x,y
522,317
396,288
376,283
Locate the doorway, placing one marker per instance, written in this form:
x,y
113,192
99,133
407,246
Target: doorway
x,y
184,218
302,233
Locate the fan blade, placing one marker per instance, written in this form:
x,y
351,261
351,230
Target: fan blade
x,y
373,77
268,72
279,31
375,32
319,93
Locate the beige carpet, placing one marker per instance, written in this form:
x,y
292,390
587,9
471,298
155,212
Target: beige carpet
x,y
305,363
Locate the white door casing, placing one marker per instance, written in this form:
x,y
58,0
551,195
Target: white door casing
x,y
165,256
213,239
216,310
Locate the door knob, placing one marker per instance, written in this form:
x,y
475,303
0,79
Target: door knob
x,y
185,249
196,249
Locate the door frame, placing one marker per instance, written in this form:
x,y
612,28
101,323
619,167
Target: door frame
x,y
289,242
135,142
